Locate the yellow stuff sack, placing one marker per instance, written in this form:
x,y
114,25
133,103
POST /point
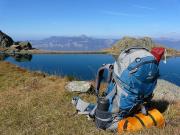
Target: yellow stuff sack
x,y
139,121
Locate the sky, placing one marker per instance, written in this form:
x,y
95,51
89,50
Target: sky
x,y
34,19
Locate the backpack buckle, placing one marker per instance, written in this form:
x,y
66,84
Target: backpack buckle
x,y
143,109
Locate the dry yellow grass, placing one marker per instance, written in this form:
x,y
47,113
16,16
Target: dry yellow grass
x,y
34,103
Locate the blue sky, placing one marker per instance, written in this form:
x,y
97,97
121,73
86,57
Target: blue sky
x,y
31,19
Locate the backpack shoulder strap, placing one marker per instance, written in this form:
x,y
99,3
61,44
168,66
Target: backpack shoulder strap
x,y
99,77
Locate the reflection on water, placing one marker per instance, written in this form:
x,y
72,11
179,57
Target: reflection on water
x,y
16,57
3,56
22,57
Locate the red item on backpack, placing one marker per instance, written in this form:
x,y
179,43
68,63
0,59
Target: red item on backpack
x,y
158,52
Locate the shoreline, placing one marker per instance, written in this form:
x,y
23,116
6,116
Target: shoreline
x,y
65,52
36,51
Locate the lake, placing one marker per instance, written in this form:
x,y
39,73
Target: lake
x,y
85,66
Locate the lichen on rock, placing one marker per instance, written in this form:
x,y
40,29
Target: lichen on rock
x,y
78,86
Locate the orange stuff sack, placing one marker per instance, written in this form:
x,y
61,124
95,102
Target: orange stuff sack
x,y
139,121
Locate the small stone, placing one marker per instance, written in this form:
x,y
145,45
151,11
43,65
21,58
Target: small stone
x,y
78,86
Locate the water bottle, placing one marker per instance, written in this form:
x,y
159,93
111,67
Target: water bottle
x,y
103,118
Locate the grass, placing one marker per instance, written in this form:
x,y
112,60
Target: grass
x,y
35,103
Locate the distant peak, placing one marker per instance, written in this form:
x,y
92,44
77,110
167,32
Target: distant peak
x,y
83,36
54,36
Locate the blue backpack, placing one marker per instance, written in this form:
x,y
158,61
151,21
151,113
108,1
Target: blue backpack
x,y
131,81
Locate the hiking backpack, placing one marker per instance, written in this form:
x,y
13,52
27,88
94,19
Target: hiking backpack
x,y
131,81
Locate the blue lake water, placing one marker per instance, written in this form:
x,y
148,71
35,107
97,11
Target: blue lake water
x,y
85,66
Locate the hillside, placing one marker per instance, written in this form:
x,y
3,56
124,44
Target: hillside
x,y
146,42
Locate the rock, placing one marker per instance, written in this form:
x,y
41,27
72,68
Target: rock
x,y
21,46
163,91
167,91
78,86
25,45
5,40
15,47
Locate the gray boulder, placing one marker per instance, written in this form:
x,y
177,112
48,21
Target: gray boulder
x,y
5,40
78,86
164,90
167,91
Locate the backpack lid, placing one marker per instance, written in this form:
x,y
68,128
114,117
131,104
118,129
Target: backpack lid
x,y
128,56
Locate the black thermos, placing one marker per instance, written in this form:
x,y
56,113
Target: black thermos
x,y
103,104
103,118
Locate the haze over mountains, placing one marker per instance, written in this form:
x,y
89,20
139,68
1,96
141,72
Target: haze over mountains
x,y
171,43
86,43
76,43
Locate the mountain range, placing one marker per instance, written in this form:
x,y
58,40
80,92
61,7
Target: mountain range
x,y
74,43
86,43
170,43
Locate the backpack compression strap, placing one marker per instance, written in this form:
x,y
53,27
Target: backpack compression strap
x,y
83,107
99,78
133,48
